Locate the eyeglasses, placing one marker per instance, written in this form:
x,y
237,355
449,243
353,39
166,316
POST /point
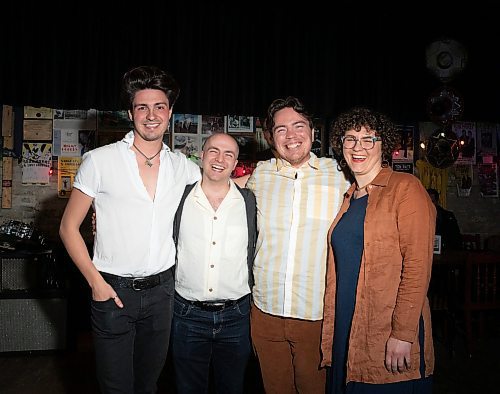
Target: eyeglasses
x,y
349,142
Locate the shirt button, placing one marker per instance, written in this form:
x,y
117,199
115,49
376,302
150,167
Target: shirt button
x,y
212,266
215,217
210,290
213,243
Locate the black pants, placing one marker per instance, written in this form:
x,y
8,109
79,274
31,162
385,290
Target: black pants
x,y
131,343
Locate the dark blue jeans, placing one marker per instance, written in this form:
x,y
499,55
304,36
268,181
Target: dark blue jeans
x,y
201,339
131,344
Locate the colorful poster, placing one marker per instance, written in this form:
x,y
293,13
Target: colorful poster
x,y
466,135
36,163
67,167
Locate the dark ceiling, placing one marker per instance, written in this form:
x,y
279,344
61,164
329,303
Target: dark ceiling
x,y
237,59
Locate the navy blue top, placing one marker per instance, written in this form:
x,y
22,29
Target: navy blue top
x,y
347,243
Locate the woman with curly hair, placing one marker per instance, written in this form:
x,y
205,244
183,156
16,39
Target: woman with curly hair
x,y
376,334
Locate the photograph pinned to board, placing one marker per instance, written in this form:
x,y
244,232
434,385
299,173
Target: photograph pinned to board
x,y
188,144
240,124
212,124
186,123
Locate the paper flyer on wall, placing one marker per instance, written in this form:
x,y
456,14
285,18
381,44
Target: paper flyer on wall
x,y
67,167
36,163
466,134
72,143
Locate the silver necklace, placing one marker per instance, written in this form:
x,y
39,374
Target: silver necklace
x,y
148,159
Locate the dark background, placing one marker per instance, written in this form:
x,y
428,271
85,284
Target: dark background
x,y
236,58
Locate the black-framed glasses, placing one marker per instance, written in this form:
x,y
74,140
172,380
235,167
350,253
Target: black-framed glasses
x,y
349,141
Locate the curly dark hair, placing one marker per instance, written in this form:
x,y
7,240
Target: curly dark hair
x,y
148,77
359,117
289,102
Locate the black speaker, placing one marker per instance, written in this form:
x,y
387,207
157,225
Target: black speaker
x,y
18,273
32,324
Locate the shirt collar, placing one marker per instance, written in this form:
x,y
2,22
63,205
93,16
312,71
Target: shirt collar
x,y
129,140
382,179
313,162
232,193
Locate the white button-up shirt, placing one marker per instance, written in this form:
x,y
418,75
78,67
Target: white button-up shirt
x,y
212,248
134,232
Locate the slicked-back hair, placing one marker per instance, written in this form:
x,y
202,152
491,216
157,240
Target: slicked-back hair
x,y
148,77
359,117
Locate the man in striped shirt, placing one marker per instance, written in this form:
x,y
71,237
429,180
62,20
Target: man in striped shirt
x,y
298,196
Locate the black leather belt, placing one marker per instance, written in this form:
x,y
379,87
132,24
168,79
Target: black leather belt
x,y
142,283
214,306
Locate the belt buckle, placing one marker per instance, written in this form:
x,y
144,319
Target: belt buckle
x,y
213,306
217,306
137,287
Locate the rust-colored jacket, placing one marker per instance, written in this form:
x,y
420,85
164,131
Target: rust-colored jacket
x,y
393,279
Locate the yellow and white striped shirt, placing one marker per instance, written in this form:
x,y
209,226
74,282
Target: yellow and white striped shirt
x,y
295,207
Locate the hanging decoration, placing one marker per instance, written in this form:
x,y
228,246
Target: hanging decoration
x,y
446,58
442,148
445,105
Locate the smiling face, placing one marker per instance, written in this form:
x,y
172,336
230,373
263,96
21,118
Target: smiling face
x,y
219,157
150,113
292,136
365,164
